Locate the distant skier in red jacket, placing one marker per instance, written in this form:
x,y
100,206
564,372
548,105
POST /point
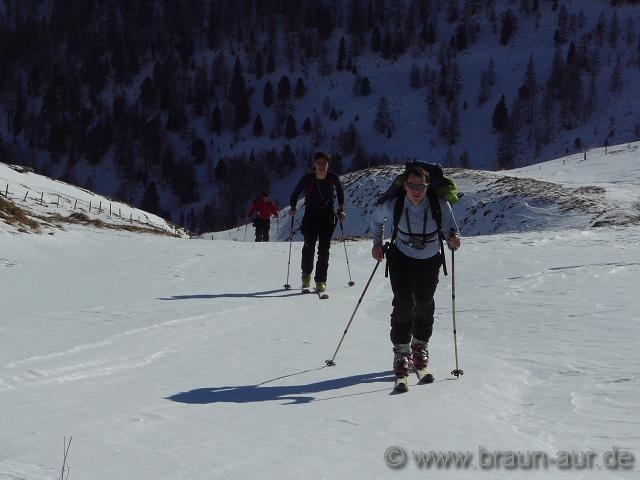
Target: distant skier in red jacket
x,y
263,208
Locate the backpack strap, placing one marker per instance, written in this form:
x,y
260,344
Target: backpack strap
x,y
436,212
397,213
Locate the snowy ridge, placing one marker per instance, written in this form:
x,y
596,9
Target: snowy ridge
x,y
51,205
571,192
579,191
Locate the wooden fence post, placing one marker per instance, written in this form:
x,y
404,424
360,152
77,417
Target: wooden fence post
x,y
41,198
89,205
25,196
75,204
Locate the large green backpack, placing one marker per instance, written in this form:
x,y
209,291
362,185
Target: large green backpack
x,y
439,183
439,186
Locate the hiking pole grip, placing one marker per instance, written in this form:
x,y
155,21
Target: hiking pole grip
x,y
286,285
457,371
332,363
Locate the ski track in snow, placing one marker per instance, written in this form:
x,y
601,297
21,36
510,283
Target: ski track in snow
x,y
107,357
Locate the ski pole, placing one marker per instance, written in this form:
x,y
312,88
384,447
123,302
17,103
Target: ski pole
x,y
286,285
457,371
331,362
344,243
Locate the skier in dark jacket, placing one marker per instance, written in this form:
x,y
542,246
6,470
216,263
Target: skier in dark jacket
x,y
414,261
264,208
319,218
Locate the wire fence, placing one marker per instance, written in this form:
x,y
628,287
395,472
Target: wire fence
x,y
97,208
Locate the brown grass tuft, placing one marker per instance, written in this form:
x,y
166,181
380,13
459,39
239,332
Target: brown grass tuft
x,y
14,215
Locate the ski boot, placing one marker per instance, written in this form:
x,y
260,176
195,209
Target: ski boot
x,y
420,354
401,360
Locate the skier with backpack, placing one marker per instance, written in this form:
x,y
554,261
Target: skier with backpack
x,y
422,221
319,220
263,208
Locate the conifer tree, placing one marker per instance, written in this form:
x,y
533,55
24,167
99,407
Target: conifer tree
x,y
500,118
376,40
284,89
307,126
258,127
383,123
216,120
342,55
147,93
528,92
509,25
267,95
290,130
198,151
151,200
238,97
221,171
300,89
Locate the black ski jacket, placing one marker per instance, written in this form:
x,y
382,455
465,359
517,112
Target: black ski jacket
x,y
318,194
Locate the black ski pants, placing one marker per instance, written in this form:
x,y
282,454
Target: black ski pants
x,y
317,227
262,229
414,284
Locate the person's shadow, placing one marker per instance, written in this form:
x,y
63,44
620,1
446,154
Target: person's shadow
x,y
262,294
294,394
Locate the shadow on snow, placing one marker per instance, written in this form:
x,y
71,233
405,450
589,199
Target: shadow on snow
x,y
263,294
296,394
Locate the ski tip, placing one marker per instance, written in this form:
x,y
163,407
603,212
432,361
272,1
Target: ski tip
x,y
401,385
428,378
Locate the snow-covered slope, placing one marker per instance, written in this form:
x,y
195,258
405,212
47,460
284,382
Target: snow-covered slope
x,y
46,205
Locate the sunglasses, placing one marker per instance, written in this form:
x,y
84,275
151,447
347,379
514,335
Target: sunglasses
x,y
417,186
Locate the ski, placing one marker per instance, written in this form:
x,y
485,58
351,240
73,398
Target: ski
x,y
321,295
401,385
424,377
